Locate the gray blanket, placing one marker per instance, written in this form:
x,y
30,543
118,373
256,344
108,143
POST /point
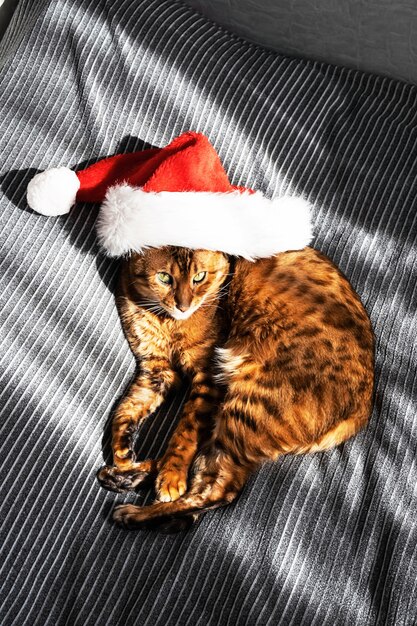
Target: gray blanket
x,y
322,539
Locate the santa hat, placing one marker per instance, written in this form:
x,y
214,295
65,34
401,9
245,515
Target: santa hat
x,y
178,195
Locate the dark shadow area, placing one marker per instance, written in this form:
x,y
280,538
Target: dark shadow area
x,y
14,183
6,11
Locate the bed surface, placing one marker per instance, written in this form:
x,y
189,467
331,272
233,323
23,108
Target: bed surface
x,y
325,539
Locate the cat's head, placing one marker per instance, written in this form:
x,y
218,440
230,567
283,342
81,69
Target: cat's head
x,y
178,280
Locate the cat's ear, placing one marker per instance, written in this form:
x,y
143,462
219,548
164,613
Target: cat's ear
x,y
214,258
227,259
222,256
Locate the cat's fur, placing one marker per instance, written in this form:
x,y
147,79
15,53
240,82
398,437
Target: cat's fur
x,y
279,353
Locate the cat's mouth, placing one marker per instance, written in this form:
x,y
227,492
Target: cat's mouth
x,y
182,315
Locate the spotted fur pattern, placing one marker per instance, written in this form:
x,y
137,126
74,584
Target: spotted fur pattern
x,y
279,353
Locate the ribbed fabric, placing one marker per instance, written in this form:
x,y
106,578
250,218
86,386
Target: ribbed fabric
x,y
318,540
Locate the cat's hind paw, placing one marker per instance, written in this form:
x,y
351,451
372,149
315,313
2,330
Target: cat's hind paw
x,y
126,515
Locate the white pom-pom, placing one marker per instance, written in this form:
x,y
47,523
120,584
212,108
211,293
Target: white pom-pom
x,y
53,192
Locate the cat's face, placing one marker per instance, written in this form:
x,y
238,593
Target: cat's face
x,y
177,280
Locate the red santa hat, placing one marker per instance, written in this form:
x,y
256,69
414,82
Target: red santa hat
x,y
178,195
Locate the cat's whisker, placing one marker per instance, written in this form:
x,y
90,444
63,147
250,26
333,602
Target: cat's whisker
x,y
148,303
156,309
212,306
223,289
214,298
134,282
214,301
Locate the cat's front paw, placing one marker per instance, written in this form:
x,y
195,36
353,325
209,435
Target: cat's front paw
x,y
170,485
121,481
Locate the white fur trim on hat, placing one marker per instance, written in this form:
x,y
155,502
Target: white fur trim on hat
x,y
53,192
242,224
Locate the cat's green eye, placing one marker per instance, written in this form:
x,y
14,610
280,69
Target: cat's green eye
x,y
198,278
164,278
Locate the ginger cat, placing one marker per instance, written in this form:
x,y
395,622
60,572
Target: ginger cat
x,y
280,355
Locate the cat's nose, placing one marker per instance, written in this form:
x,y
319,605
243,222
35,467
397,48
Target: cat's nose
x,y
183,307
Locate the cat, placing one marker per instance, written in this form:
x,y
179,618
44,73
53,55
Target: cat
x,y
280,356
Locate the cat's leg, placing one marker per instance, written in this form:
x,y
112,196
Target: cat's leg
x,y
143,397
193,428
